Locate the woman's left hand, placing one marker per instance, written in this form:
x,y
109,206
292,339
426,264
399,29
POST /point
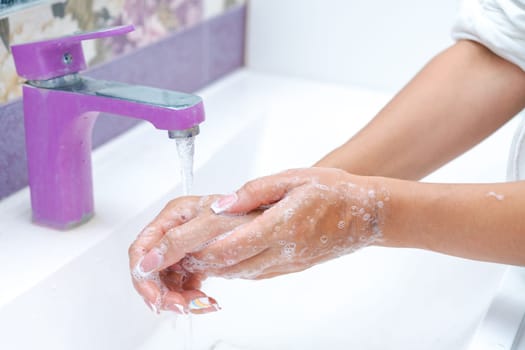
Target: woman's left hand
x,y
312,215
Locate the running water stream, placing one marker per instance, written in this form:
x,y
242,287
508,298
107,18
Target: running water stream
x,y
185,149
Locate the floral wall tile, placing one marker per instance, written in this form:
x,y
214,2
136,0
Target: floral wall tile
x,y
153,19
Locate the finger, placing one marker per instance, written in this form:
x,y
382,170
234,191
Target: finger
x,y
179,279
199,303
145,286
194,282
242,243
178,211
252,249
154,293
174,278
175,213
282,269
179,241
148,290
268,275
196,301
183,295
231,250
250,268
263,266
193,301
157,297
257,193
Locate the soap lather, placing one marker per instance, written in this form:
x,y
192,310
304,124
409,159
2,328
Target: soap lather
x,y
60,109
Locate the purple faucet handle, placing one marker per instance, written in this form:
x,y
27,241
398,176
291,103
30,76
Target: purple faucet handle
x,y
42,60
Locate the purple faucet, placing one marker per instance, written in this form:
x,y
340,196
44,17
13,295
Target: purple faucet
x,y
60,109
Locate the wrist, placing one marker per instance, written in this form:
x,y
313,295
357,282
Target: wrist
x,y
368,205
394,198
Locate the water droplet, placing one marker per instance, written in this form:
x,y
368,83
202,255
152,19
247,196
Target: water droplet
x,y
289,250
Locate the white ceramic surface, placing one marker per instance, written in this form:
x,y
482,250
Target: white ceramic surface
x,y
379,44
71,290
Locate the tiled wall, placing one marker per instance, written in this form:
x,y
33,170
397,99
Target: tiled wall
x,y
153,19
179,44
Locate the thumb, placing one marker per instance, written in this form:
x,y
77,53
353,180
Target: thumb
x,y
254,194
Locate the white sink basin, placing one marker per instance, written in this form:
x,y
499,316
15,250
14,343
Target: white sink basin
x,y
502,326
71,290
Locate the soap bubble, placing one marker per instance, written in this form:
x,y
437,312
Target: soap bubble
x,y
289,250
322,187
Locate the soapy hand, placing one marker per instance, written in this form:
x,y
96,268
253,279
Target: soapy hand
x,y
312,215
185,225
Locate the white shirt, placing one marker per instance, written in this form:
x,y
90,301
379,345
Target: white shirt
x,y
497,24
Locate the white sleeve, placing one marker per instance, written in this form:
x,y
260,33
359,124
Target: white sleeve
x,y
497,24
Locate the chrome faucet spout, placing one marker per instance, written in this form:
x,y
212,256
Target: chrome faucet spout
x,y
165,109
181,134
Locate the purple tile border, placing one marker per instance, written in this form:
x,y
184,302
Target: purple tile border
x,y
185,61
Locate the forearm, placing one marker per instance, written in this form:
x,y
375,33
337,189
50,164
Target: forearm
x,y
475,221
458,99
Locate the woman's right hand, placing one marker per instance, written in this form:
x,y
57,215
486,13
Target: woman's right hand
x,y
185,225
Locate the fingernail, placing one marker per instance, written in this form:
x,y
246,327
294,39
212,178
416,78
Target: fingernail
x,y
203,303
151,261
224,203
148,304
177,308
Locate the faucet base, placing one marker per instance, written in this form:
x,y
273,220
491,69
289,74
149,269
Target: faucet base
x,y
58,127
58,144
64,226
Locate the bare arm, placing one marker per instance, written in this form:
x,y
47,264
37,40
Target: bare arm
x,y
460,97
478,221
